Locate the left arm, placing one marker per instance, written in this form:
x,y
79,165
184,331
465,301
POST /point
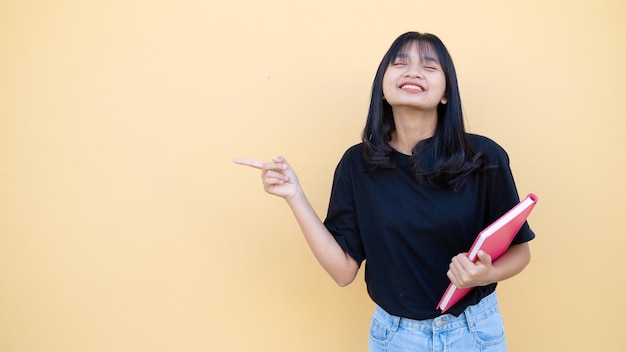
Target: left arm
x,y
463,273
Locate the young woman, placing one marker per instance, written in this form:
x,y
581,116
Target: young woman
x,y
409,201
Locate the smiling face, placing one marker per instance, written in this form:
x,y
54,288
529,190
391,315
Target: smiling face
x,y
415,79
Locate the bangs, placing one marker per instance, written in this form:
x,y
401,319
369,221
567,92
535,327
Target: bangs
x,y
425,49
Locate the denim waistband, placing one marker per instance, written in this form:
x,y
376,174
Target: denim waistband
x,y
484,309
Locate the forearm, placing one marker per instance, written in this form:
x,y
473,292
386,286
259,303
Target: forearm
x,y
339,265
510,263
463,273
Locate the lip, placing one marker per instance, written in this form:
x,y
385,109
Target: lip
x,y
411,86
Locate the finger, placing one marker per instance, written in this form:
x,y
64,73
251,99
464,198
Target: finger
x,y
450,275
458,276
459,261
273,181
279,159
453,268
454,278
277,175
484,257
459,267
249,162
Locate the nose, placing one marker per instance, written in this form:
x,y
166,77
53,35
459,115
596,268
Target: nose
x,y
413,70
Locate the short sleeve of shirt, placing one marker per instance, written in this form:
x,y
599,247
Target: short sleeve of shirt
x,y
502,192
341,219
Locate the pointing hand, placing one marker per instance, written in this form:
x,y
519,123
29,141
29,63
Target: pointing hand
x,y
278,177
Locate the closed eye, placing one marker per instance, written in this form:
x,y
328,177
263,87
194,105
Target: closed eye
x,y
430,63
400,59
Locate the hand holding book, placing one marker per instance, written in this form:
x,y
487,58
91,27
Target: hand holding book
x,y
466,273
494,240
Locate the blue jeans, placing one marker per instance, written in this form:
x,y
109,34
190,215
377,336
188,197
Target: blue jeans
x,y
479,328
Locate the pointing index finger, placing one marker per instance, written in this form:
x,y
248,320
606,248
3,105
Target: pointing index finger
x,y
249,162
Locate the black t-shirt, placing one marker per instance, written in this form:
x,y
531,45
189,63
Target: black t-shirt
x,y
408,233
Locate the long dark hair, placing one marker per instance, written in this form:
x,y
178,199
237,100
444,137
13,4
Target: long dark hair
x,y
446,159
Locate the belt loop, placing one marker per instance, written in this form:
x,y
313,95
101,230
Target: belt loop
x,y
468,318
395,323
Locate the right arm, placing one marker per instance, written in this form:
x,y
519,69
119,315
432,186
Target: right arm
x,y
280,180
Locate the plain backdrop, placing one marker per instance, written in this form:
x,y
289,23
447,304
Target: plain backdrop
x,y
124,225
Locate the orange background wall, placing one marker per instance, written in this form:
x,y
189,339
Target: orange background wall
x,y
124,226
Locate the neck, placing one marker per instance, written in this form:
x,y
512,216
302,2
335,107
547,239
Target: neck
x,y
411,128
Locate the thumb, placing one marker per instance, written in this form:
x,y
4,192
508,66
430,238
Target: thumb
x,y
279,159
484,257
285,167
283,163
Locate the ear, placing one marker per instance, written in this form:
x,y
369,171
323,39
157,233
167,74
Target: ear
x,y
444,100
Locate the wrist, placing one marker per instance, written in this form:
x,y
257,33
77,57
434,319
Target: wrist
x,y
296,197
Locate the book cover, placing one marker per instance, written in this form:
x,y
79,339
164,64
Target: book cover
x,y
494,240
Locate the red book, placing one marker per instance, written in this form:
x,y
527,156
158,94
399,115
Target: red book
x,y
494,240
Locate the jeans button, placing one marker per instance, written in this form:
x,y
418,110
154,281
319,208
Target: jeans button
x,y
440,323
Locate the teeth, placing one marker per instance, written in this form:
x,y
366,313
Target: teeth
x,y
412,86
